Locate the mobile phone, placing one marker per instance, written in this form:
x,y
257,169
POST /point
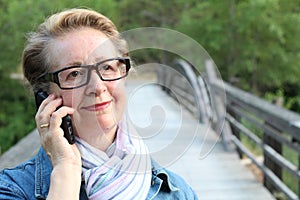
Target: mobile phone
x,y
66,124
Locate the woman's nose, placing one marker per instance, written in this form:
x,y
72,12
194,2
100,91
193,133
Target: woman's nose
x,y
96,85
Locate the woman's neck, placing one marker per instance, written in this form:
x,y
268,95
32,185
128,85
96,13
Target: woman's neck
x,y
101,140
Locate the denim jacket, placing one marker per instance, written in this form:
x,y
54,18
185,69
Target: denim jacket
x,y
31,180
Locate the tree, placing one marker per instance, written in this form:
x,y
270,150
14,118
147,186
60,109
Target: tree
x,y
253,42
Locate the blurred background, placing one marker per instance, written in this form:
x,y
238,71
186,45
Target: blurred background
x,y
254,44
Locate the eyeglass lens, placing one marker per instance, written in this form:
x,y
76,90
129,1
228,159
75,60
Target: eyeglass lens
x,y
79,75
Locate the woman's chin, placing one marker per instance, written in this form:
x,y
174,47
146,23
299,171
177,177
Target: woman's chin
x,y
92,123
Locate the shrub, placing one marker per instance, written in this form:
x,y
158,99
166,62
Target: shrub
x,y
17,110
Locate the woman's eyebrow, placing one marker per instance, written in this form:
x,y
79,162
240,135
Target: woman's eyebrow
x,y
95,60
103,58
72,63
76,63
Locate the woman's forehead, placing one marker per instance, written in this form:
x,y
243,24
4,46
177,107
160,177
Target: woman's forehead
x,y
85,46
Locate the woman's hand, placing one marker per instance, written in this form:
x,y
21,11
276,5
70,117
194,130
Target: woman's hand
x,y
65,158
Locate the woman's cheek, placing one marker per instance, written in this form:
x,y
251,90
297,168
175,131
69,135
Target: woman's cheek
x,y
120,98
117,88
69,99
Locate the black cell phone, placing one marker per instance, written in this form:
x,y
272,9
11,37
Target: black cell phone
x,y
66,124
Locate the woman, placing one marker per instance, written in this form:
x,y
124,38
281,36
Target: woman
x,y
79,59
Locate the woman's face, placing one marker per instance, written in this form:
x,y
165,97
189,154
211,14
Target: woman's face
x,y
99,105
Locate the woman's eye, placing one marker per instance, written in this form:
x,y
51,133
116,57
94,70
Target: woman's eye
x,y
74,74
106,67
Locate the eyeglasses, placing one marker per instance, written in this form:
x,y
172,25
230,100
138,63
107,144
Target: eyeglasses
x,y
77,76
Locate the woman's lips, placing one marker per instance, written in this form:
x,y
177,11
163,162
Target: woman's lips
x,y
98,106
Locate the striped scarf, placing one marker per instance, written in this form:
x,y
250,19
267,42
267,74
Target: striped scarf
x,y
122,172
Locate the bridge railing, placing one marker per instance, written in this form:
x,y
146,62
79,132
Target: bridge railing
x,y
246,123
182,83
271,129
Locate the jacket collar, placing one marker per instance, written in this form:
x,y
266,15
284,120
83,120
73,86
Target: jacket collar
x,y
161,177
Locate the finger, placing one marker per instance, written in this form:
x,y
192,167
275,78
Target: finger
x,y
54,135
46,110
56,117
40,112
50,98
51,106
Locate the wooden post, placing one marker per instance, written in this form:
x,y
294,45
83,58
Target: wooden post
x,y
194,85
236,132
221,125
268,162
296,125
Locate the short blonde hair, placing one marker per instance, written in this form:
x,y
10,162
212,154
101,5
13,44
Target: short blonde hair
x,y
35,55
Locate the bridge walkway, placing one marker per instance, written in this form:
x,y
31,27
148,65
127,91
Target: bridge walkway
x,y
177,141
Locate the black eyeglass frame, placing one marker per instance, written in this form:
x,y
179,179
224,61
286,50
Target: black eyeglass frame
x,y
53,76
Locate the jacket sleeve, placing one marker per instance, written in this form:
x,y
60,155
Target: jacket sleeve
x,y
10,191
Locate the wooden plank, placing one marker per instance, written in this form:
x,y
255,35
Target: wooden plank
x,y
281,118
20,152
291,168
268,130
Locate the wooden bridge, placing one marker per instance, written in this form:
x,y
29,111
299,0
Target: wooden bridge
x,y
184,121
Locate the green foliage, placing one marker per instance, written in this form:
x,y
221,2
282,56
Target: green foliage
x,y
287,177
252,41
282,98
21,17
17,112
